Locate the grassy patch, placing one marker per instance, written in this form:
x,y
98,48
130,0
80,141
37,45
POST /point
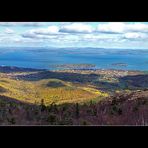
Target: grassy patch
x,y
50,90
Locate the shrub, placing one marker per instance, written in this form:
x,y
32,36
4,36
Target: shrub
x,y
135,108
114,102
53,108
116,110
89,111
84,122
66,121
11,120
64,108
144,102
51,118
95,112
36,111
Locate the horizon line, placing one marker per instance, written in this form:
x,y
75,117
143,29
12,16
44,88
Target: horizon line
x,y
67,47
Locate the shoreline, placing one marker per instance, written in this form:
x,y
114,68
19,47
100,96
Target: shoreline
x,y
25,69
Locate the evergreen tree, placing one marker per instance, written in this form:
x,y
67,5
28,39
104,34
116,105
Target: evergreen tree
x,y
43,107
77,110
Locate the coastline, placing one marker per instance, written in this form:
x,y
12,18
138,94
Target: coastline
x,y
25,69
18,69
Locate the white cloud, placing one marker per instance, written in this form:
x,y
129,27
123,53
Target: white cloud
x,y
113,27
76,28
46,31
135,35
121,27
9,31
137,27
43,33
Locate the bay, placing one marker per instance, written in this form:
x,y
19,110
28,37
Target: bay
x,y
45,57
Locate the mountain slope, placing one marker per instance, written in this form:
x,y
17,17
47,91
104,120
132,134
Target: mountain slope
x,y
121,109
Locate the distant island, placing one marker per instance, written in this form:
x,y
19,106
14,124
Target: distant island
x,y
119,64
74,66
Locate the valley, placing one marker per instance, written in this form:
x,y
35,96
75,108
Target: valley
x,y
103,92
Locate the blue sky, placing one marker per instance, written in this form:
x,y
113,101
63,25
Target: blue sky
x,y
75,34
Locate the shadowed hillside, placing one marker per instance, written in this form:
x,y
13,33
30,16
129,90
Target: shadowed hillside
x,y
65,76
136,82
106,82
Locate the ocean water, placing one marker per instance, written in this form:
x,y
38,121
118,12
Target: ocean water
x,y
43,58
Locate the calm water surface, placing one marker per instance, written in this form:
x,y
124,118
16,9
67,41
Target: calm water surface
x,y
43,58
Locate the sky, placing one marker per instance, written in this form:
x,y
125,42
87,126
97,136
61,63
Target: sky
x,y
133,35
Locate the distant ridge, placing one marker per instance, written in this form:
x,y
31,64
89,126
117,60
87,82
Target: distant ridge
x,y
8,69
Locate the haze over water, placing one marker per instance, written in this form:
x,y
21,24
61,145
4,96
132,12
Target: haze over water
x,y
43,58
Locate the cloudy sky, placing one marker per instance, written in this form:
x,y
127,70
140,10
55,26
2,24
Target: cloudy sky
x,y
74,34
